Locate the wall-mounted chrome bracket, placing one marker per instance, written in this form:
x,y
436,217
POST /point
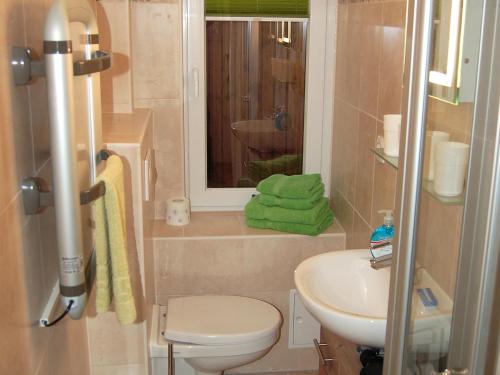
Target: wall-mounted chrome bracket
x,y
36,196
25,67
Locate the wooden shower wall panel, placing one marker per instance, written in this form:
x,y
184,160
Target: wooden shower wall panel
x,y
214,98
267,50
227,80
238,109
275,93
298,87
231,97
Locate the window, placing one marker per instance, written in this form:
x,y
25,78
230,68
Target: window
x,y
258,95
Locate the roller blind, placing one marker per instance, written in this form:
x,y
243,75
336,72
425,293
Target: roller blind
x,y
270,8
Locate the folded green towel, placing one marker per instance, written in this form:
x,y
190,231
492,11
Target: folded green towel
x,y
313,216
297,186
295,204
310,230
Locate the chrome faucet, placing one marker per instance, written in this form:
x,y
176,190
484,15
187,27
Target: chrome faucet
x,y
279,117
277,112
382,261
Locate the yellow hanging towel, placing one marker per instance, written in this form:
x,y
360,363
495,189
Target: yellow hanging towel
x,y
112,271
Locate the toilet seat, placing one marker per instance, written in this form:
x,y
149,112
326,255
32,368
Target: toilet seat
x,y
216,320
185,350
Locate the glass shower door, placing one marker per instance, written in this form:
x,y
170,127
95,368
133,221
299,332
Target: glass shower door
x,y
443,281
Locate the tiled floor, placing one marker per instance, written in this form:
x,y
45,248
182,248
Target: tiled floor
x,y
291,373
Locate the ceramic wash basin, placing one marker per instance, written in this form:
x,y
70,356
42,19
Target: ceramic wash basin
x,y
260,135
350,298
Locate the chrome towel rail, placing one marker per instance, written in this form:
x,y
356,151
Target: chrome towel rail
x,y
37,196
25,66
59,68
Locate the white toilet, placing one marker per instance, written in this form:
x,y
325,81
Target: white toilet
x,y
213,333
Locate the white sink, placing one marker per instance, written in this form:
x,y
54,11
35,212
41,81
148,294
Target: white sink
x,y
260,136
350,298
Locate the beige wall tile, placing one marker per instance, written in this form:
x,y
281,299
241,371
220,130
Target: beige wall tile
x,y
69,337
40,123
168,126
370,49
170,181
345,148
209,224
114,31
268,264
14,342
361,186
119,370
353,53
156,41
35,11
438,241
384,187
26,346
391,63
114,344
169,146
344,212
342,44
198,266
259,267
149,271
37,291
361,233
17,150
365,166
453,119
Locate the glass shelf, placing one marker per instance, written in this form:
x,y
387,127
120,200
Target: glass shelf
x,y
391,160
456,200
427,186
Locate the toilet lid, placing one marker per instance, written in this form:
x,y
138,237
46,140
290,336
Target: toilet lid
x,y
219,320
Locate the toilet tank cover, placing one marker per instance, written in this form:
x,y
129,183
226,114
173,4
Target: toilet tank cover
x,y
220,320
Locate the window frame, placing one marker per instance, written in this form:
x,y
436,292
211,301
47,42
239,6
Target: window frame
x,y
320,68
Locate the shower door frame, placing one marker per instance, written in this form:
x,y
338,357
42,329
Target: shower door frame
x,y
478,270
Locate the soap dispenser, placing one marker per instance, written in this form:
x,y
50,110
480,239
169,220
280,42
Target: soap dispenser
x,y
381,239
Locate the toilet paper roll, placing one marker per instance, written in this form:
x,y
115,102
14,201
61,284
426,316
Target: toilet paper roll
x,y
450,168
178,211
432,138
392,131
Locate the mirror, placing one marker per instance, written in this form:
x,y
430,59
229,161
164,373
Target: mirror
x,y
446,37
455,41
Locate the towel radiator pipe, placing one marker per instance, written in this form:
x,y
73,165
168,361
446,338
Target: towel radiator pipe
x,y
59,80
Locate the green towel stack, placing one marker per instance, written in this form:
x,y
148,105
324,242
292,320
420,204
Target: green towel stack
x,y
292,204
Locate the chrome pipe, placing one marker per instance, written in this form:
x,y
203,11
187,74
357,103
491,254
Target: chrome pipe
x,y
59,80
171,366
